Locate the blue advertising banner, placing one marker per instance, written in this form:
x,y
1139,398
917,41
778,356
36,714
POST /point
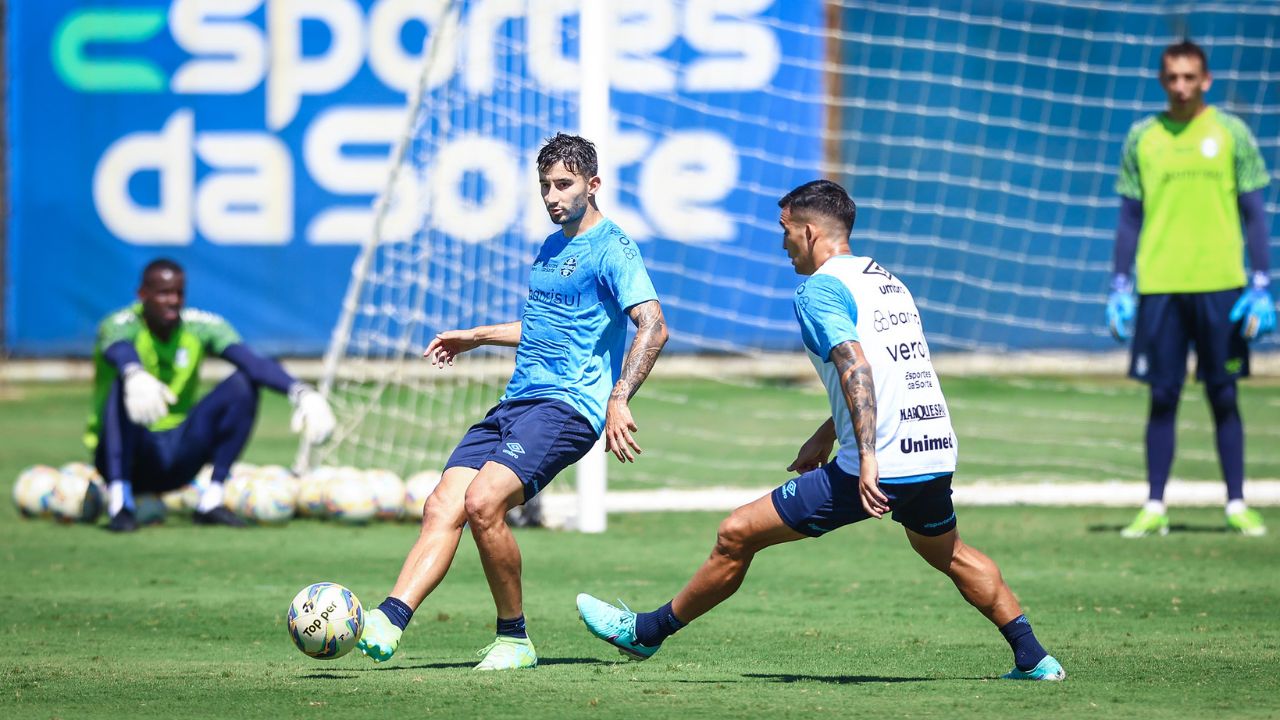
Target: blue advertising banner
x,y
247,139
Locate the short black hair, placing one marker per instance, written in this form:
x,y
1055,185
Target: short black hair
x,y
577,153
1186,48
825,198
161,264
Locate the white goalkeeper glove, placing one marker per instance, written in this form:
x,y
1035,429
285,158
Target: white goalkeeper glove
x,y
146,399
311,416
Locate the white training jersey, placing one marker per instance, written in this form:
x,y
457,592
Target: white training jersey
x,y
854,298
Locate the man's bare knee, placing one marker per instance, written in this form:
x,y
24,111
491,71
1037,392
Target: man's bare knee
x,y
733,538
442,514
484,509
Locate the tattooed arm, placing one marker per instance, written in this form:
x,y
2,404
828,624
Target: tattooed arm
x,y
651,335
860,394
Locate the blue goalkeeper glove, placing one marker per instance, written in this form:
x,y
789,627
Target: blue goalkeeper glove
x,y
1121,308
1257,309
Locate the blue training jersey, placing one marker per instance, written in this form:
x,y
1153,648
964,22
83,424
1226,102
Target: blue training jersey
x,y
574,325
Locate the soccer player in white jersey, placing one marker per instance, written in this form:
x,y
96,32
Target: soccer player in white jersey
x,y
897,448
572,382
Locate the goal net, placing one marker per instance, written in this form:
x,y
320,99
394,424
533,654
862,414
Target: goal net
x,y
980,141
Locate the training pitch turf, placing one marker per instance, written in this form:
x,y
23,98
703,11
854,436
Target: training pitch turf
x,y
179,621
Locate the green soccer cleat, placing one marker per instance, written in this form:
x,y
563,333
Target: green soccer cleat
x,y
614,626
508,653
1046,669
1147,523
1246,522
380,637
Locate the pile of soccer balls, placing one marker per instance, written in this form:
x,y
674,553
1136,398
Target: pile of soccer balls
x,y
71,493
265,495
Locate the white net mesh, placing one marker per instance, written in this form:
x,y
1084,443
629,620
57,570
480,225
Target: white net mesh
x,y
980,141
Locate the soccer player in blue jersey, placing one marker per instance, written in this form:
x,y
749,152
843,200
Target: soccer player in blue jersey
x,y
897,448
149,430
571,383
1188,178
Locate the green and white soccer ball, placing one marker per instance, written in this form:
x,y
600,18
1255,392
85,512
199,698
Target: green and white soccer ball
x,y
325,620
417,489
349,499
388,494
34,490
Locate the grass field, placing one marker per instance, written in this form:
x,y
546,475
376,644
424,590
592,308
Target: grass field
x,y
179,621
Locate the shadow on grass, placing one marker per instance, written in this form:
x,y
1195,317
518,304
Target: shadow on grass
x,y
1173,528
460,666
841,679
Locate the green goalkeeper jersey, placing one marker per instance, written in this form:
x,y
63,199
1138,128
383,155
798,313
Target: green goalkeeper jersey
x,y
175,362
1188,177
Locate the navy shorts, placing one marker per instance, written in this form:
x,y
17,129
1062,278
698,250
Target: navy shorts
x,y
1168,325
535,438
824,499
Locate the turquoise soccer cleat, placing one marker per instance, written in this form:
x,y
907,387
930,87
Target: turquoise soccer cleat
x,y
380,637
1046,669
614,626
508,653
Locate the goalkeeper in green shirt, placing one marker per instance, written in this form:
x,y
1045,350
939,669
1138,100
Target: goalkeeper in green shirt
x,y
148,429
1188,178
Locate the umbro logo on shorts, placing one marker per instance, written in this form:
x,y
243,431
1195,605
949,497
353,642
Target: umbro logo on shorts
x,y
515,450
789,490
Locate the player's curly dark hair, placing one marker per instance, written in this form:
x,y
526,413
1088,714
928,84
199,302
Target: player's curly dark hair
x,y
1186,48
822,197
577,153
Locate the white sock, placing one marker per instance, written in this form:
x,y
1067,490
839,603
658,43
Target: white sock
x,y
210,497
120,492
1155,506
1236,506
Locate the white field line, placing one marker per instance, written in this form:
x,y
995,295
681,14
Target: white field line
x,y
561,506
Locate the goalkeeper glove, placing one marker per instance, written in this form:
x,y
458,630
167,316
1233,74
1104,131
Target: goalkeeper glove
x,y
1121,308
1257,309
146,399
311,416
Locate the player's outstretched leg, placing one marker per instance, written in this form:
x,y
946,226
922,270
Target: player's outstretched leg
x,y
425,566
748,530
494,491
978,579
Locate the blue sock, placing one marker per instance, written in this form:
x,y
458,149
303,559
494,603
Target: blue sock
x,y
1027,652
654,627
512,628
397,612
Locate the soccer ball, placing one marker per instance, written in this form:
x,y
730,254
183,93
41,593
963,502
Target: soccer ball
x,y
149,509
311,492
235,489
271,500
417,489
348,498
325,620
388,493
33,492
76,499
81,469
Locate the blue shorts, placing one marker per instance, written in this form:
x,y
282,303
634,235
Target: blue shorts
x,y
1168,325
535,438
824,499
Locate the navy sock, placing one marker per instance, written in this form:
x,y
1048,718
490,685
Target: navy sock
x,y
1229,433
654,627
512,628
1027,651
397,612
1162,426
